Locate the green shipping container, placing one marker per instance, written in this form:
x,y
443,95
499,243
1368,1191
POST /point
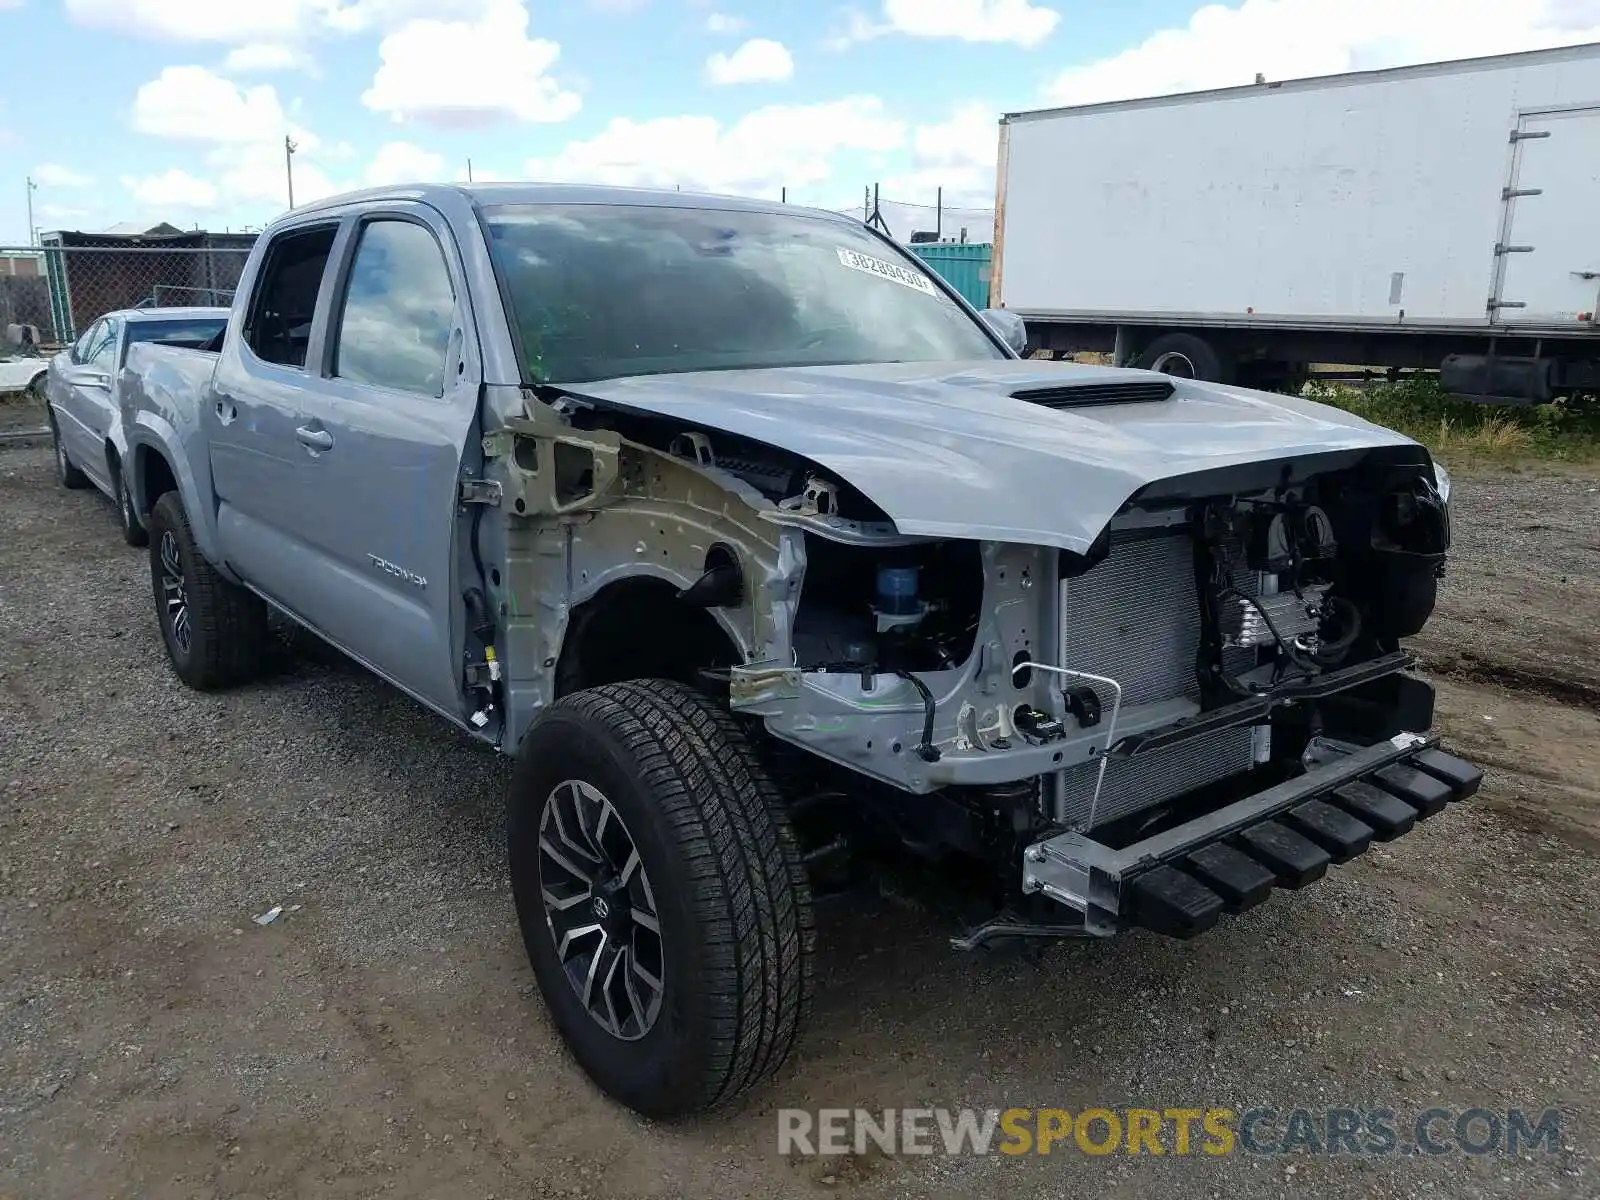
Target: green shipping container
x,y
963,265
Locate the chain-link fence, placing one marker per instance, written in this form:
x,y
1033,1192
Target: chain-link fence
x,y
920,222
50,294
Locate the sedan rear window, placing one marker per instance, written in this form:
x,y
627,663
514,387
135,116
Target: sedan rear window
x,y
192,333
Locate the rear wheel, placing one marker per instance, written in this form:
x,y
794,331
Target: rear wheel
x,y
661,895
215,631
67,475
1186,356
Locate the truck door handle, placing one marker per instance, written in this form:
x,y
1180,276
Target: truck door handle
x,y
314,439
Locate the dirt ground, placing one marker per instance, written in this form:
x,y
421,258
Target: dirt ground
x,y
382,1037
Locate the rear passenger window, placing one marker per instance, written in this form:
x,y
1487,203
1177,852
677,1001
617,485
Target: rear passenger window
x,y
394,329
285,301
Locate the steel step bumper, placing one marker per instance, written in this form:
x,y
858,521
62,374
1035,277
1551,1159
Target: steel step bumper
x,y
1179,882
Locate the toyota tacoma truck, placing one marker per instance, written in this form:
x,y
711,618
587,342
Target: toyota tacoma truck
x,y
771,562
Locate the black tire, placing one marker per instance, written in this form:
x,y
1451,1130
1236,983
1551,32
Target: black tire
x,y
133,532
67,475
226,624
1186,356
735,929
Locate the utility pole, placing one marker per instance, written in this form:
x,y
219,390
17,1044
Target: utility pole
x,y
469,170
33,238
289,148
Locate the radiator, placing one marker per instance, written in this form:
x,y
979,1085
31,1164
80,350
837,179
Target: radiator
x,y
1136,618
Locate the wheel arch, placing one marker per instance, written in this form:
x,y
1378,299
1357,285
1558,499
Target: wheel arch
x,y
638,626
156,462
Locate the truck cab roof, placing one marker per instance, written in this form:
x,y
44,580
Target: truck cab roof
x,y
444,195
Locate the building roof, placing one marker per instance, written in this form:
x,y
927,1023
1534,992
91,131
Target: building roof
x,y
137,229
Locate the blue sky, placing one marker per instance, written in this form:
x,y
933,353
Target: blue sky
x,y
149,110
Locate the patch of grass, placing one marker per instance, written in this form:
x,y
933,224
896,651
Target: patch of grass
x,y
1460,431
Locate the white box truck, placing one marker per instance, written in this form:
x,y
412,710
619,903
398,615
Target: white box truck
x,y
1444,216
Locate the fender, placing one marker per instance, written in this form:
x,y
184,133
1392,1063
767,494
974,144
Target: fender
x,y
152,434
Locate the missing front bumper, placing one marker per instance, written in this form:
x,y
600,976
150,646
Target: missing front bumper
x,y
1180,882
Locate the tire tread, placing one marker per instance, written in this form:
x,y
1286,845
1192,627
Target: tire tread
x,y
752,897
229,622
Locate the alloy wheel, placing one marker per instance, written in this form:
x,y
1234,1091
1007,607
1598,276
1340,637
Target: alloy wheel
x,y
175,592
600,910
124,503
1176,364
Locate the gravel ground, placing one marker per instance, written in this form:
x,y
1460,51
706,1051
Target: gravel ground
x,y
383,1035
1523,602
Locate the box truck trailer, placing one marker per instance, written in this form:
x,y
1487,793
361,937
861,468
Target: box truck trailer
x,y
1443,217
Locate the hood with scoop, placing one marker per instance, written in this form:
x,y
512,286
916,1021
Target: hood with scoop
x,y
1015,451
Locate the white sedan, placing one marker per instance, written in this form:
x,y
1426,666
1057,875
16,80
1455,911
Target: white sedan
x,y
84,408
22,375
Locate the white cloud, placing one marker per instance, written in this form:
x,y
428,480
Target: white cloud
x,y
251,21
778,146
724,24
1284,39
171,189
55,175
197,20
261,57
242,130
957,154
356,16
255,174
200,105
402,162
470,73
760,60
1018,22
67,216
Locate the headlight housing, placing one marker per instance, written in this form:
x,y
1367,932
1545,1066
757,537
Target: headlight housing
x,y
1441,481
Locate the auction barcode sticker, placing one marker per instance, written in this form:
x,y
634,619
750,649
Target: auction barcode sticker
x,y
857,261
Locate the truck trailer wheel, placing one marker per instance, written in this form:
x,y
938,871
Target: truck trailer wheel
x,y
1186,356
661,895
215,630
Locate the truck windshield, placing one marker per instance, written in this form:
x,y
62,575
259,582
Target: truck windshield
x,y
601,291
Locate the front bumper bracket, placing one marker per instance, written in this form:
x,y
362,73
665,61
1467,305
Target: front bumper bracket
x,y
1181,880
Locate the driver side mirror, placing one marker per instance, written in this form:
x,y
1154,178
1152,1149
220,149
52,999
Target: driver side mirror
x,y
1011,328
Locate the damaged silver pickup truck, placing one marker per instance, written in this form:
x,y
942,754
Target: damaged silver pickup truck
x,y
773,563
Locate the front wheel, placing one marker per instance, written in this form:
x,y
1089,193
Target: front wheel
x,y
661,895
215,631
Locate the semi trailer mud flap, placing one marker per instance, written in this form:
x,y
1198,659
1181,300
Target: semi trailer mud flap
x,y
1181,881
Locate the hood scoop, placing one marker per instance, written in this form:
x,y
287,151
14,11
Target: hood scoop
x,y
1084,395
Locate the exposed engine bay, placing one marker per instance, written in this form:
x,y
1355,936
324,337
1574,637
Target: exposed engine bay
x,y
964,702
